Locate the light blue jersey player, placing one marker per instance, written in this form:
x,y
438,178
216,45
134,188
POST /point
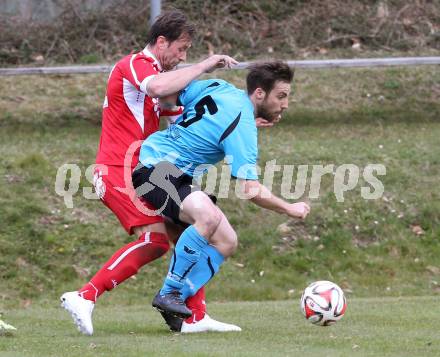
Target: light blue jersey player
x,y
218,121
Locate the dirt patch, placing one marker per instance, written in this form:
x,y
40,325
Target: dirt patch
x,y
291,232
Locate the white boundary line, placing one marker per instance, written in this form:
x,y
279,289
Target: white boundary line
x,y
331,63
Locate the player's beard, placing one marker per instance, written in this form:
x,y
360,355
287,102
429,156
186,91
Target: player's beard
x,y
262,112
169,64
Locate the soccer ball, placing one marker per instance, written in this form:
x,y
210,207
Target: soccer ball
x,y
323,303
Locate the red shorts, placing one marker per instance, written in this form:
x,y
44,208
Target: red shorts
x,y
110,187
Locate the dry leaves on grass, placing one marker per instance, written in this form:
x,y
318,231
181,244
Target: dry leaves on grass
x,y
417,230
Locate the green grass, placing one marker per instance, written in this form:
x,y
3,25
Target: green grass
x,y
359,116
371,327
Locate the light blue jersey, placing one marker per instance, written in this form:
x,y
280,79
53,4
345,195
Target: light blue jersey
x,y
217,123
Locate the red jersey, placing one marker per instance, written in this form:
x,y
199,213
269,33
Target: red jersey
x,y
129,114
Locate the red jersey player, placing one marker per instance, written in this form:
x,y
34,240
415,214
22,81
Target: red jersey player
x,y
131,113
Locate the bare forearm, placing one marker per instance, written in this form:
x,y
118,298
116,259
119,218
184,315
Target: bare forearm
x,y
267,200
261,196
168,83
171,82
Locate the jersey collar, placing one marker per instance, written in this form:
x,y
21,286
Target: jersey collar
x,y
148,53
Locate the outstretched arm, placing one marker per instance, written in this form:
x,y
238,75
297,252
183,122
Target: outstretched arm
x,y
167,83
261,196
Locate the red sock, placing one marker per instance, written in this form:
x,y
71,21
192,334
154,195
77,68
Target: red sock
x,y
125,263
197,305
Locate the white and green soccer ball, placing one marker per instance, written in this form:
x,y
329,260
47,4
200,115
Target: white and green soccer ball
x,y
323,303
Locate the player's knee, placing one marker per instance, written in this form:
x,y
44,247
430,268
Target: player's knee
x,y
209,222
227,244
232,243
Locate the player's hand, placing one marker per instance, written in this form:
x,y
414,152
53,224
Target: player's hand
x,y
218,61
298,210
263,123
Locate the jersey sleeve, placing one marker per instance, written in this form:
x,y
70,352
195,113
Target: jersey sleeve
x,y
193,91
176,111
241,148
171,114
141,71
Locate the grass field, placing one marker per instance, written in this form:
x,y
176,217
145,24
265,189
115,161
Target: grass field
x,y
371,327
378,247
378,251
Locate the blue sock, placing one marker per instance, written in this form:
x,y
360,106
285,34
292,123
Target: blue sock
x,y
205,269
186,255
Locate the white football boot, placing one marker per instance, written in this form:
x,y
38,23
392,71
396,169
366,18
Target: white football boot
x,y
80,309
208,324
6,329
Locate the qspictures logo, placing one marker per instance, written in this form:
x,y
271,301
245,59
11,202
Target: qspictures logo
x,y
295,181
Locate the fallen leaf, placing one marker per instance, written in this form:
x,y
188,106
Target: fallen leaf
x,y
417,230
13,178
433,269
21,263
82,272
284,229
26,303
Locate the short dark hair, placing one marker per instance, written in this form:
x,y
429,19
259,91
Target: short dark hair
x,y
265,74
171,25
